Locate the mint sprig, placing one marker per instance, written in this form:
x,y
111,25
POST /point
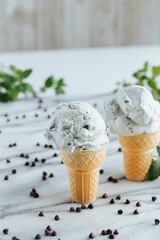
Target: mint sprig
x,y
57,85
154,171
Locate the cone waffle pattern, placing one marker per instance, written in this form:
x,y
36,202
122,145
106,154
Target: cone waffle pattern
x,y
137,152
83,168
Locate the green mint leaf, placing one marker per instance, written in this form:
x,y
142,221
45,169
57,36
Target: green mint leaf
x,y
155,71
25,73
152,84
158,150
49,82
145,67
154,171
13,68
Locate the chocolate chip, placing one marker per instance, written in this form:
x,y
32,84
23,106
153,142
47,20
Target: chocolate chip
x,y
136,212
24,116
8,161
50,146
78,209
5,231
45,109
14,171
118,197
111,236
86,127
91,235
44,173
26,156
16,117
8,120
72,209
36,115
119,150
14,144
154,199
36,195
33,164
90,206
57,218
47,232
10,145
54,233
14,238
83,206
138,204
26,164
115,180
22,155
41,214
110,179
6,114
112,201
156,221
55,155
49,228
40,100
6,177
115,232
48,116
104,195
103,232
109,231
37,144
44,178
51,175
43,160
38,236
127,201
36,159
101,171
120,212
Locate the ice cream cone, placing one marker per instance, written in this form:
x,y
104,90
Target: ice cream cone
x,y
137,152
83,169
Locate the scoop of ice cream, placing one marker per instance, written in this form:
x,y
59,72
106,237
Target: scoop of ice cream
x,y
132,111
77,126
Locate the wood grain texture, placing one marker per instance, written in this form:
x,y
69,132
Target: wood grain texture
x,y
38,24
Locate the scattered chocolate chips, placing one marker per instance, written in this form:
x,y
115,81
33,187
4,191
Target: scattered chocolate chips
x,y
27,164
111,236
41,214
101,171
22,155
36,159
24,116
8,161
78,209
44,177
83,206
103,232
37,144
115,232
118,197
156,221
33,164
91,235
6,114
138,204
115,180
104,195
50,146
34,194
120,212
44,173
72,209
15,238
57,218
8,120
40,100
14,171
110,179
90,206
51,175
45,145
119,149
38,236
49,228
16,117
43,160
154,199
112,201
36,115
135,212
5,231
55,155
54,233
6,178
108,231
47,232
48,116
127,201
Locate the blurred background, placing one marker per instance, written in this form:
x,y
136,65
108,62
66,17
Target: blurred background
x,y
52,24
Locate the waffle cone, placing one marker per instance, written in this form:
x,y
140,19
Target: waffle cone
x,y
83,169
137,153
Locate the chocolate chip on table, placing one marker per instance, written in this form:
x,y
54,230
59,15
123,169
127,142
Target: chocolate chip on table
x,y
6,177
111,236
115,232
41,214
115,180
16,117
8,120
154,199
27,164
6,114
72,209
135,212
101,171
5,231
54,233
57,218
83,206
138,204
156,221
112,201
24,116
62,162
44,177
36,115
44,173
119,149
45,145
120,212
26,156
55,155
38,236
118,197
37,144
22,155
78,209
103,232
50,146
51,175
48,116
15,238
43,160
49,228
90,206
47,232
40,100
8,161
91,235
14,144
110,179
108,231
14,171
33,164
127,201
36,159
86,126
104,195
34,194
